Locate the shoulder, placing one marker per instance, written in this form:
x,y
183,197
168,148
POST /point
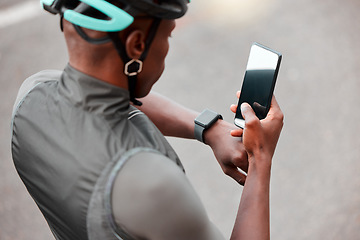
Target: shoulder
x,y
31,82
152,198
40,77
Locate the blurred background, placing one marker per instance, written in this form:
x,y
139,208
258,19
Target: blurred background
x,y
315,188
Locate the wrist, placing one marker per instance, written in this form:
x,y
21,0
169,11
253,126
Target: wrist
x,y
260,164
204,122
211,134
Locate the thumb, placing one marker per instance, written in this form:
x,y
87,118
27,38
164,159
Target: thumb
x,y
247,112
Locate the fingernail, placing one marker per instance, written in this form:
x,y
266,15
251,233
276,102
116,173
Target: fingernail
x,y
243,107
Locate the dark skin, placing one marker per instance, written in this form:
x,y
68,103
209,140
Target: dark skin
x,y
102,62
253,154
260,139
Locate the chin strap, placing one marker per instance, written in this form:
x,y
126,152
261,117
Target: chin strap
x,y
134,66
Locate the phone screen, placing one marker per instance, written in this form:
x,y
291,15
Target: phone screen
x,y
259,81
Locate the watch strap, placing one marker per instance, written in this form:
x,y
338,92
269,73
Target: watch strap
x,y
198,131
204,121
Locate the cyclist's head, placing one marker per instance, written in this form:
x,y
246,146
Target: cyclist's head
x,y
114,16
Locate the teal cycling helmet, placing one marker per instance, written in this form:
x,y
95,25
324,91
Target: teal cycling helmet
x,y
110,17
113,16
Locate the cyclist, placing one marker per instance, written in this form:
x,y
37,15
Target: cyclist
x,y
94,158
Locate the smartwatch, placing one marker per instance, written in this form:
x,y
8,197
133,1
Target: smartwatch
x,y
204,121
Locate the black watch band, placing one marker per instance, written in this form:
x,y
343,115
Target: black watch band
x,y
204,121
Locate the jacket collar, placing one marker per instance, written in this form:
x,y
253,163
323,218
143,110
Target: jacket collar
x,y
92,94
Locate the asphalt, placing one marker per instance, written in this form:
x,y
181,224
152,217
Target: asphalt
x,y
315,176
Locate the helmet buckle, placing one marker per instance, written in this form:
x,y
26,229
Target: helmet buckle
x,y
133,67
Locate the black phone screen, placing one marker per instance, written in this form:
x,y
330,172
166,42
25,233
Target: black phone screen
x,y
259,80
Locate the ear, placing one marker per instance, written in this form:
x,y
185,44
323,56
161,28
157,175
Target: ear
x,y
135,44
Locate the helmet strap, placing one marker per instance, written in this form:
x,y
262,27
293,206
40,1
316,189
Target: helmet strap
x,y
89,39
61,23
134,66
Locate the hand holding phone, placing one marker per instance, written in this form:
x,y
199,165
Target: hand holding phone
x,y
259,82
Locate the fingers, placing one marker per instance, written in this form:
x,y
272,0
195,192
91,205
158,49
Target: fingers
x,y
248,113
274,104
235,174
237,132
275,111
233,108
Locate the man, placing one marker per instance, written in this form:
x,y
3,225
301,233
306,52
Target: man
x,y
99,168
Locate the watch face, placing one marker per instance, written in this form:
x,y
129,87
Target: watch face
x,y
206,118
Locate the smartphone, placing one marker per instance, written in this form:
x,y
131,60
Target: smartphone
x,y
259,81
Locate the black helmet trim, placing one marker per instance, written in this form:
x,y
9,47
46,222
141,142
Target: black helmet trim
x,y
168,9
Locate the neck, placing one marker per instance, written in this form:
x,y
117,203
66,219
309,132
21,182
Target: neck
x,y
111,73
